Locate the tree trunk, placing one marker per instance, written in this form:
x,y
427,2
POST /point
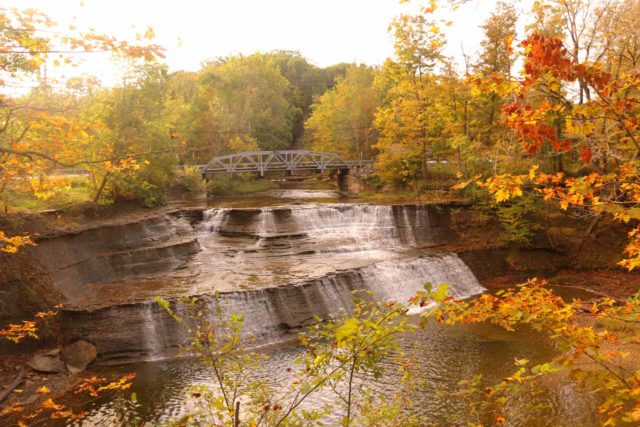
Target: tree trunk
x,y
424,160
559,163
101,189
594,222
236,415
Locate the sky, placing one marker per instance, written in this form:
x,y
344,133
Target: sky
x,y
324,31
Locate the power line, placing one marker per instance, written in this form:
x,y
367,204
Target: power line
x,y
32,30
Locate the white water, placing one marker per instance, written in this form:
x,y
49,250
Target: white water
x,y
213,219
355,227
283,266
401,280
363,225
271,311
153,333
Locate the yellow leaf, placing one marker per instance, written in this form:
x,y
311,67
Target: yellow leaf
x,y
44,390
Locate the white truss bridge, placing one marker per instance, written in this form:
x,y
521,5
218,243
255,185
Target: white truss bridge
x,y
284,160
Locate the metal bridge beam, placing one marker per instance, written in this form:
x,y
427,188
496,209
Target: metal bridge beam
x,y
289,160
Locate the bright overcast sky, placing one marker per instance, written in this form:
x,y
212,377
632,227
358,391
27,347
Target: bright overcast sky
x,y
324,31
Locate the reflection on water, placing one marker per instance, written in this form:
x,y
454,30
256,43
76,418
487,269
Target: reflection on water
x,y
289,192
296,193
445,354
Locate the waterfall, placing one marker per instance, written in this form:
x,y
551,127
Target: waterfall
x,y
362,224
272,311
401,280
281,267
213,219
355,226
153,332
409,236
265,314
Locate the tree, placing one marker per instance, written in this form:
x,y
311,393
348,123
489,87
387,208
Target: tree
x,y
601,124
405,122
592,356
306,82
33,137
340,353
342,118
494,65
241,98
126,120
44,129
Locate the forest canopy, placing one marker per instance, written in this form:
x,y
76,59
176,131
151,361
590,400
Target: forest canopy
x,y
552,108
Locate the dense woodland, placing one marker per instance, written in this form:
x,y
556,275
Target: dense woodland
x,y
560,96
544,117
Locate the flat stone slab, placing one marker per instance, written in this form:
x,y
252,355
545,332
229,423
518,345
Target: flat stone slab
x,y
47,362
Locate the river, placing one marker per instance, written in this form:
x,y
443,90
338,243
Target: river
x,y
281,258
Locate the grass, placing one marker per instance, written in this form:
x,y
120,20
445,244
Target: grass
x,y
77,190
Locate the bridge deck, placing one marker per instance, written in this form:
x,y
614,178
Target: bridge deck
x,y
285,160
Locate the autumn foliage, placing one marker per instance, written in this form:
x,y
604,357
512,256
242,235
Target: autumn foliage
x,y
594,357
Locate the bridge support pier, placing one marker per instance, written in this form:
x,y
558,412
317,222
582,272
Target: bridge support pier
x,y
342,179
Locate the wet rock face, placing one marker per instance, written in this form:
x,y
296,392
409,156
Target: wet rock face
x,y
209,245
491,263
134,338
116,253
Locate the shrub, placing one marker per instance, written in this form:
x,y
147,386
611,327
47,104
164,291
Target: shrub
x,y
190,179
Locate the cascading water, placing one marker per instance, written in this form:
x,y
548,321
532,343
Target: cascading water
x,y
153,332
282,266
363,224
213,219
295,262
354,227
401,280
271,311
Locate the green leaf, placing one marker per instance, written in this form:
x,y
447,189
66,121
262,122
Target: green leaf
x,y
347,329
305,388
441,293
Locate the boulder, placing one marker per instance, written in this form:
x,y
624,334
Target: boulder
x,y
78,355
46,362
